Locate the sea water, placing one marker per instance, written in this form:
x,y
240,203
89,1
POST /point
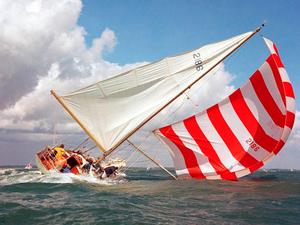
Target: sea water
x,y
148,197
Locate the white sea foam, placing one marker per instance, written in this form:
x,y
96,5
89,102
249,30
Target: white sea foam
x,y
10,176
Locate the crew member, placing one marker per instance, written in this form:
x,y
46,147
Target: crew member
x,y
60,151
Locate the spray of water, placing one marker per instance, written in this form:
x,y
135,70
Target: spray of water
x,y
9,176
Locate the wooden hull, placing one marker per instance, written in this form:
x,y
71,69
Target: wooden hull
x,y
46,161
74,162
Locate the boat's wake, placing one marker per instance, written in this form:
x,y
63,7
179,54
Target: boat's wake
x,y
9,176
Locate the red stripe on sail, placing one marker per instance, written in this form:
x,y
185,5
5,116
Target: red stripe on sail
x,y
188,155
288,89
290,118
229,176
278,147
278,60
229,137
255,129
275,48
256,167
207,149
277,77
266,98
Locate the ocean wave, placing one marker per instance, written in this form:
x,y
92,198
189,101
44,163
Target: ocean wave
x,y
9,176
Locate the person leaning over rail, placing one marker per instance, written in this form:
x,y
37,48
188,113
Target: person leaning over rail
x,y
60,151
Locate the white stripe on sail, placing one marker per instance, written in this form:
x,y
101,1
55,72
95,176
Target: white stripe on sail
x,y
284,75
216,141
182,172
285,134
259,112
242,173
203,162
290,104
268,159
216,177
175,153
270,82
270,46
240,131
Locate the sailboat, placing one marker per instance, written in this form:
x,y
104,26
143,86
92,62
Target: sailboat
x,y
28,166
229,140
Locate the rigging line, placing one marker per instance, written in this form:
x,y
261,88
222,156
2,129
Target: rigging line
x,y
190,96
82,143
126,157
122,153
143,161
156,151
137,158
120,150
131,164
133,153
54,128
95,146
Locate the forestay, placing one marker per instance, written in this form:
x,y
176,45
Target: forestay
x,y
109,110
241,133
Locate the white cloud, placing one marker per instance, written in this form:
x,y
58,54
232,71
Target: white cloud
x,y
288,157
32,39
41,48
295,135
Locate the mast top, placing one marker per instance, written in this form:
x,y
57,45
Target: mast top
x,y
261,26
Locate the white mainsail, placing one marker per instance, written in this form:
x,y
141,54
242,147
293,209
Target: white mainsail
x,y
111,109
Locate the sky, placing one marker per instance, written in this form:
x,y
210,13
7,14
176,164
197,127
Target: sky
x,y
67,44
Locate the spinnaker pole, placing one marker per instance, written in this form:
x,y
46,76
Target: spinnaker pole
x,y
107,153
152,160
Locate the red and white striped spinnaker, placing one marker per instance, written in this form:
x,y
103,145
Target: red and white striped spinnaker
x,y
241,133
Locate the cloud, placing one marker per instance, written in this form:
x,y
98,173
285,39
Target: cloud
x,y
31,40
295,135
38,53
288,157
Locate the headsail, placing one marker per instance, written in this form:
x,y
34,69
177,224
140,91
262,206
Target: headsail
x,y
241,133
111,109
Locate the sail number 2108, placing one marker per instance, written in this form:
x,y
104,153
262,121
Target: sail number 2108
x,y
198,61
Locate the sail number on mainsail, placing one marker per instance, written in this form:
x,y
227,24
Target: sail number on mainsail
x,y
198,61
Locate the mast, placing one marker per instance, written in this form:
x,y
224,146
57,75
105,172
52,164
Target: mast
x,y
173,99
77,120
